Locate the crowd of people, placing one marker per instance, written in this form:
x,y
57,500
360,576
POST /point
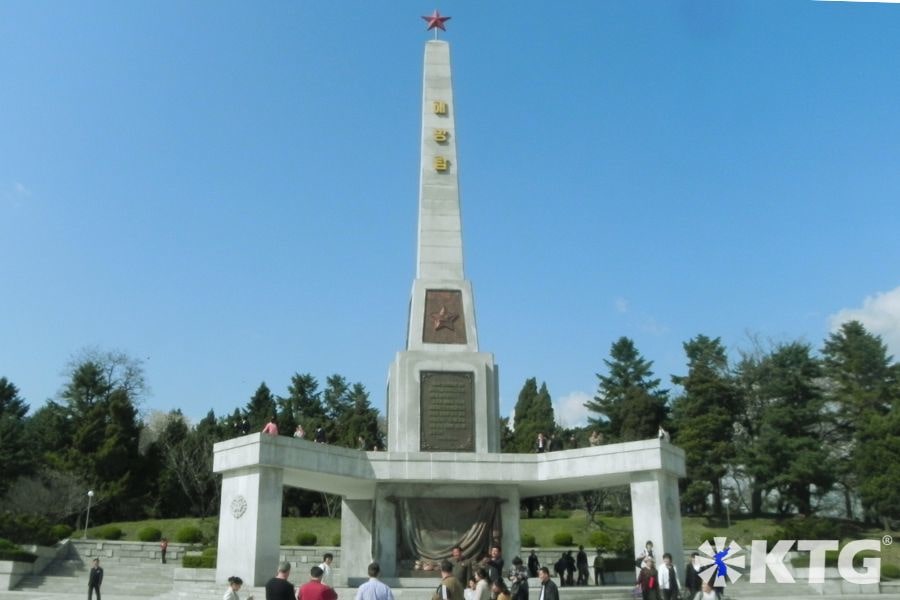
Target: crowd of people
x,y
664,583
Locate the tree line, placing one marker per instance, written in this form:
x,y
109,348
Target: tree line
x,y
783,430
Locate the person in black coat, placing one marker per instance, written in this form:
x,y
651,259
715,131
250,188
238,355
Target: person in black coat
x,y
534,564
549,591
692,580
95,578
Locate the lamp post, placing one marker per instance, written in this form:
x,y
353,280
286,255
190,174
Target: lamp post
x,y
727,503
87,519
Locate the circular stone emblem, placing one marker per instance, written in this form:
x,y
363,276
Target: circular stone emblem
x,y
238,506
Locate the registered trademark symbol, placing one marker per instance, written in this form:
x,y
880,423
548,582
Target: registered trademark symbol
x,y
887,540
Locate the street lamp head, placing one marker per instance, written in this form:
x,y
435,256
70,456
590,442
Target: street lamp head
x,y
90,493
726,501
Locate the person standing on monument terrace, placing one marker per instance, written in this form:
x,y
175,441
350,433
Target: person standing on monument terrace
x,y
95,578
314,589
327,572
279,588
668,579
450,587
692,580
462,569
320,435
299,433
271,427
540,445
374,588
549,591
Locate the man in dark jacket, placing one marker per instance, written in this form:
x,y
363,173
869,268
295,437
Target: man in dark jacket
x,y
581,562
549,591
95,578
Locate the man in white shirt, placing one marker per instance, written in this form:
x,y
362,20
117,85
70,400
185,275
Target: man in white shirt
x,y
668,578
374,588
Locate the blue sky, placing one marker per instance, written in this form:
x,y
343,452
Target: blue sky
x,y
228,190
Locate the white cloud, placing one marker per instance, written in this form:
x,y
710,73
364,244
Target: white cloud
x,y
570,410
879,313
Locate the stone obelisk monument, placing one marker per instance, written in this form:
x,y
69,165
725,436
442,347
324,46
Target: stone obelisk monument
x,y
442,392
442,481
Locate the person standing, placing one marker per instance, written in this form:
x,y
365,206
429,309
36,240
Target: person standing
x,y
518,577
374,588
271,427
581,563
95,578
598,568
450,587
549,591
163,546
279,588
315,589
234,586
540,445
534,563
495,564
648,580
692,580
668,579
482,584
461,567
328,572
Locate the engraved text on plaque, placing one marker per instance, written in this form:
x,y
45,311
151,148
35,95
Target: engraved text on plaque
x,y
447,404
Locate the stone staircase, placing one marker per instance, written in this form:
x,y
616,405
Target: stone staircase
x,y
121,579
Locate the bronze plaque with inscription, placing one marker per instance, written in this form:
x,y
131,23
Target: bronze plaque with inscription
x,y
447,402
445,322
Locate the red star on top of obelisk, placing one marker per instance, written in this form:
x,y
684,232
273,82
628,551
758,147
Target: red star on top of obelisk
x,y
436,21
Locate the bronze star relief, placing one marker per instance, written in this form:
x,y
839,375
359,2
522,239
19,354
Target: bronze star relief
x,y
444,319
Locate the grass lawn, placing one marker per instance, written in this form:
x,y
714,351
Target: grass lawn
x,y
695,530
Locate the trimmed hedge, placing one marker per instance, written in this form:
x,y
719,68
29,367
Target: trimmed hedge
x,y
149,534
61,531
528,540
890,571
211,551
26,529
189,535
10,551
600,539
108,532
562,538
192,561
305,538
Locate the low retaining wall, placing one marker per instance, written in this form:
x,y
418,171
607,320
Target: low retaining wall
x,y
129,552
12,572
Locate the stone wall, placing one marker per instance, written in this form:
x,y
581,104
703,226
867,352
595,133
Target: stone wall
x,y
133,552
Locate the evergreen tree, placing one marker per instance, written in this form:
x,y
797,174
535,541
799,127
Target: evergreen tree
x,y
261,408
533,415
360,420
16,454
703,419
304,402
629,402
862,388
786,454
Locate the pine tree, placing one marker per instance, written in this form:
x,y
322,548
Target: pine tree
x,y
629,402
703,419
533,415
16,453
261,407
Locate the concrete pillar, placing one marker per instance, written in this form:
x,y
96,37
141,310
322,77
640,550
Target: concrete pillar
x,y
385,535
356,537
656,514
509,520
249,525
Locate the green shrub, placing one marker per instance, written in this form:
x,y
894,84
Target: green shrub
x,y
189,535
211,551
528,540
108,532
600,539
562,538
890,571
305,538
192,561
622,543
61,531
336,540
26,529
10,551
149,534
